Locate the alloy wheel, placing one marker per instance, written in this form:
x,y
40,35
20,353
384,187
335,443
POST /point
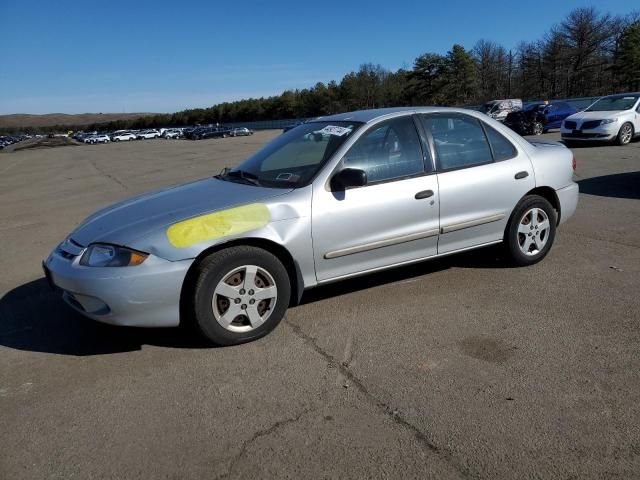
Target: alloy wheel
x,y
533,231
244,298
537,128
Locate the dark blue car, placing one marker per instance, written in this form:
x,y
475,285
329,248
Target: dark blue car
x,y
537,118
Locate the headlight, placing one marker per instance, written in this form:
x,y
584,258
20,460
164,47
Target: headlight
x,y
608,120
102,255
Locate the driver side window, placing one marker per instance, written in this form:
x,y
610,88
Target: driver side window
x,y
388,151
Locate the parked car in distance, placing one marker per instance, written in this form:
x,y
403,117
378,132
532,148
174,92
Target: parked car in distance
x,y
614,118
537,118
240,132
208,132
146,134
366,191
499,109
101,138
123,137
82,136
171,133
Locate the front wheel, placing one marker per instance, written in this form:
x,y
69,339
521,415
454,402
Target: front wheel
x,y
625,134
531,230
240,294
537,128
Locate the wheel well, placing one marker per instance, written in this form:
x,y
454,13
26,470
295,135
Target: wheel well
x,y
550,195
279,251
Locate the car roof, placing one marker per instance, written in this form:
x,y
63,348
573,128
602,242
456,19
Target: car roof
x,y
367,116
622,94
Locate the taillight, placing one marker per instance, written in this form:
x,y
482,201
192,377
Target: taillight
x,y
574,164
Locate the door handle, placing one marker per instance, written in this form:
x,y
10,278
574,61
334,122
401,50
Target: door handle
x,y
424,194
521,175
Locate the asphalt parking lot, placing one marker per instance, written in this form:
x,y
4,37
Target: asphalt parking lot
x,y
456,368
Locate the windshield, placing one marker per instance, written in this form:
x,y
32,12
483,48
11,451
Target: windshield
x,y
613,103
292,159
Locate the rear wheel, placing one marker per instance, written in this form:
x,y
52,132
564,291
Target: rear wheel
x,y
240,294
625,134
531,230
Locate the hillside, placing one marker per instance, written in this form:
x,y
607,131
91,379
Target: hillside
x,y
27,120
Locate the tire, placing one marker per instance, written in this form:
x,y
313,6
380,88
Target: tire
x,y
117,140
521,236
537,128
625,135
250,318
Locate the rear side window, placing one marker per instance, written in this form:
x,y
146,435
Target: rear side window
x,y
390,150
502,148
459,141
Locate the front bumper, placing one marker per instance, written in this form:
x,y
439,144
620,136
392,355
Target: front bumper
x,y
147,295
602,133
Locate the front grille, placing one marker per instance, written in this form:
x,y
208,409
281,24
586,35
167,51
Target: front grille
x,y
70,248
570,124
591,124
584,135
65,255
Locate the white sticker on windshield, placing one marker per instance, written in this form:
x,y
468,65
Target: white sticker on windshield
x,y
334,130
628,98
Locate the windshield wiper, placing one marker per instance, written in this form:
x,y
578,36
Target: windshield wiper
x,y
247,177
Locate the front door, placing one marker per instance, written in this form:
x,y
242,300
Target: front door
x,y
390,220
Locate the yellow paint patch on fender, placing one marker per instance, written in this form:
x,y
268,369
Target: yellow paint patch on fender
x,y
217,225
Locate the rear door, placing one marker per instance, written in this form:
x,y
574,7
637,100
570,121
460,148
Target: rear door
x,y
481,178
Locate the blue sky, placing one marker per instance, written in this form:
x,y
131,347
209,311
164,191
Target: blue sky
x,y
164,56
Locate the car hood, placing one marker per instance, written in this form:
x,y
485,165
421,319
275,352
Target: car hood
x,y
595,115
123,222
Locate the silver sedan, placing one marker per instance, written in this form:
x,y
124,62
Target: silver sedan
x,y
333,198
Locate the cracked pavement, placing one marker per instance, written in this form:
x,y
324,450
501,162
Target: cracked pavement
x,y
455,368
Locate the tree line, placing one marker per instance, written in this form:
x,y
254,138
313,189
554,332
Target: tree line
x,y
589,53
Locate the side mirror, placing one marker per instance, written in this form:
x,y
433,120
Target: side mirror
x,y
348,177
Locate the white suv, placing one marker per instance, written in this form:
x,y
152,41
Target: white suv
x,y
171,133
145,134
123,136
98,139
612,118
